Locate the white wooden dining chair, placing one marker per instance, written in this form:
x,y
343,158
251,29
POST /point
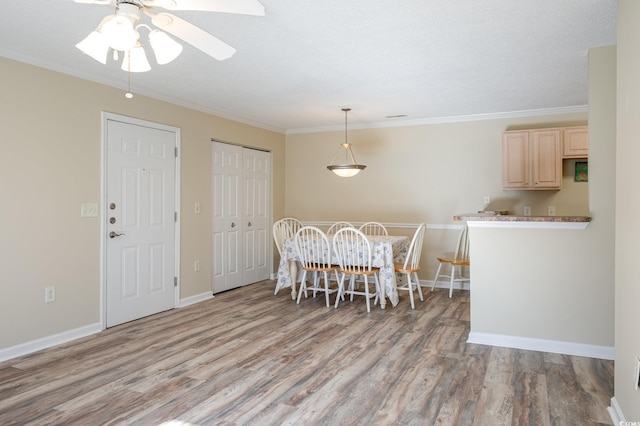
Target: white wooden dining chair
x,y
373,228
281,230
457,262
411,265
337,226
314,250
353,251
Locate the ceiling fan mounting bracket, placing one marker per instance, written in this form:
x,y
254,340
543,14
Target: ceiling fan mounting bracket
x,y
128,8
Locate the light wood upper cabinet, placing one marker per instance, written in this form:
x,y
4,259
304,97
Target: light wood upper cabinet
x,y
515,160
532,159
575,141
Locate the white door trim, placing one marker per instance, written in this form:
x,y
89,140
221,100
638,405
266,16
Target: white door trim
x,y
105,118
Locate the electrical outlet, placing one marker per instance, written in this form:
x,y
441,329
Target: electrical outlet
x,y
636,377
196,266
527,210
196,208
487,200
49,295
551,210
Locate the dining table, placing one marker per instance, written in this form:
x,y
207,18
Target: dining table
x,y
385,251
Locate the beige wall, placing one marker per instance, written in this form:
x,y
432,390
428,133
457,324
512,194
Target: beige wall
x,y
627,297
424,173
51,163
556,285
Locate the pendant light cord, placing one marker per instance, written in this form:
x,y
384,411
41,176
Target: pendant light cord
x,y
346,110
128,95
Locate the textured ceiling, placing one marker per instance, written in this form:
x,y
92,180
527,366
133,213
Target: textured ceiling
x,y
296,67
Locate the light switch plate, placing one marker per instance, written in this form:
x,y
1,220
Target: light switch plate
x,y
89,210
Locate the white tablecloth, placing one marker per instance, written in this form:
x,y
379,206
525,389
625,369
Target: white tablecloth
x,y
385,251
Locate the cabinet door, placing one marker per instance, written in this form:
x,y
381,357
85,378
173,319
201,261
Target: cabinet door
x,y
547,159
576,142
515,160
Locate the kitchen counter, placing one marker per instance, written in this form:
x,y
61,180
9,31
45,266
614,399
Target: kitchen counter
x,y
526,272
513,221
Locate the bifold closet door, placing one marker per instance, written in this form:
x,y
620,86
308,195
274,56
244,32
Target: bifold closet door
x,y
240,215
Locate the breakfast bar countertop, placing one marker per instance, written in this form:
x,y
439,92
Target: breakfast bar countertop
x,y
492,217
492,220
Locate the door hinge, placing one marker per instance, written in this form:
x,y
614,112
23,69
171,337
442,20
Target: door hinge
x,y
175,281
175,217
176,151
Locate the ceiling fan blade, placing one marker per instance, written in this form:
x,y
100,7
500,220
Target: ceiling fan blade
x,y
193,35
245,7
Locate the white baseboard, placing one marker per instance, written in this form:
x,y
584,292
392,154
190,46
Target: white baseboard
x,y
195,299
444,284
552,346
68,336
49,341
616,413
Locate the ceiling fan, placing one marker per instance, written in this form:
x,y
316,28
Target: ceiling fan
x,y
120,30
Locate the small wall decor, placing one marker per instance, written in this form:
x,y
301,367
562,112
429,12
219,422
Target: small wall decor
x,y
582,171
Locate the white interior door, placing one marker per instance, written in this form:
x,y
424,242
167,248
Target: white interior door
x,y
240,236
227,220
256,239
141,220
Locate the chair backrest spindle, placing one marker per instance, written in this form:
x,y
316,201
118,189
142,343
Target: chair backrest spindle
x,y
374,228
337,226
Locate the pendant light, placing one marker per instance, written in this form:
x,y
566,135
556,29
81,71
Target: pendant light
x,y
349,167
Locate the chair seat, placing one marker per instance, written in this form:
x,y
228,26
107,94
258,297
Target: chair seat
x,y
399,267
360,272
320,268
457,262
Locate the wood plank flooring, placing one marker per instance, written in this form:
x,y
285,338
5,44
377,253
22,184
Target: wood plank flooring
x,y
249,357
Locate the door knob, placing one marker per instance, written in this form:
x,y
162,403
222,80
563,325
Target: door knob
x,y
113,234
233,225
249,224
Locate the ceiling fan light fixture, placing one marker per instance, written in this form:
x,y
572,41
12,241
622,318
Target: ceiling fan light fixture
x,y
136,60
164,47
96,46
119,32
350,167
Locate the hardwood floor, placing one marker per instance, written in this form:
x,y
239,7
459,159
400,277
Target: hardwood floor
x,y
249,357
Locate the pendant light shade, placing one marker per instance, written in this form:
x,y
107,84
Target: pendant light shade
x,y
350,167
